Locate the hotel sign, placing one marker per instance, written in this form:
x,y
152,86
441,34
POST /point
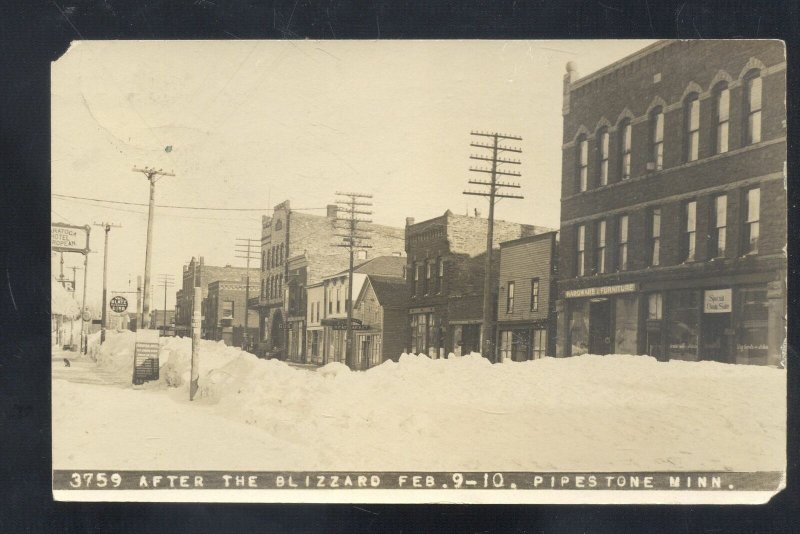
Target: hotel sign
x,y
717,301
69,238
600,291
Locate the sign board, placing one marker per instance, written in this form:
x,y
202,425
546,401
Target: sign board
x,y
600,291
69,238
86,315
717,301
428,309
118,304
145,357
69,285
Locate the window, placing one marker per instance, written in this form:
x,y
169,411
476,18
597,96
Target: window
x,y
583,163
654,307
330,300
657,138
625,149
428,270
338,300
689,230
600,253
441,275
534,294
722,100
719,220
227,309
579,258
602,146
691,118
655,236
752,108
510,298
539,345
622,243
752,199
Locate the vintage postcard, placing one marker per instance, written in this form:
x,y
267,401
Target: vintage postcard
x,y
419,271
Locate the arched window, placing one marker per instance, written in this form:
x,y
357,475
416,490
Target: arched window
x,y
657,138
722,105
691,127
625,149
752,103
583,163
602,156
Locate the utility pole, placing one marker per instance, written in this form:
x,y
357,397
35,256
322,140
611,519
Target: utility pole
x,y
248,249
487,330
74,288
85,345
152,176
104,318
167,280
353,237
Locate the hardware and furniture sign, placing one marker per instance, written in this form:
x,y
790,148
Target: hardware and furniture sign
x,y
600,291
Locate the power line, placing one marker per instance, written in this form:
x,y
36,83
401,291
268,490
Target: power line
x,y
174,206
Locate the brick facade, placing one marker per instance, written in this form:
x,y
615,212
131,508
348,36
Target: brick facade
x,y
668,75
217,325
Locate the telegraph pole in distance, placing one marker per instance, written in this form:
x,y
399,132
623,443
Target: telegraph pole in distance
x,y
152,176
74,288
248,249
495,159
167,280
104,317
353,237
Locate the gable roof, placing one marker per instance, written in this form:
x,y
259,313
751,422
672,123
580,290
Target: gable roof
x,y
390,291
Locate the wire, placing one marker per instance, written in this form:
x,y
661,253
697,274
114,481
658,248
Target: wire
x,y
173,206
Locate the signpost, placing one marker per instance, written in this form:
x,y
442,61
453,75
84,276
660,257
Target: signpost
x,y
145,358
195,372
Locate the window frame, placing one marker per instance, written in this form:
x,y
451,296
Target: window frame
x,y
622,245
582,168
580,257
749,224
603,146
722,122
534,294
600,246
511,286
718,227
691,127
752,135
625,151
656,124
689,231
654,252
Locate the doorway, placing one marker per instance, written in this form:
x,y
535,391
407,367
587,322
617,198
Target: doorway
x,y
715,337
600,326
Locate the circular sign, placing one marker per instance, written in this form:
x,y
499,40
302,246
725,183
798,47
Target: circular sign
x,y
86,315
118,304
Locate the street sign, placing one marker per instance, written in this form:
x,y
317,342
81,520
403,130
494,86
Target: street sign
x,y
69,238
118,303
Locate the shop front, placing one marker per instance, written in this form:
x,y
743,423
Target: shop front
x,y
314,345
603,320
466,337
523,341
426,332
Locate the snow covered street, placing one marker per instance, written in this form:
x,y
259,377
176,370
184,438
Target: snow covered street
x,y
613,412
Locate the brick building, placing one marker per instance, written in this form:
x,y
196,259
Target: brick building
x,y
526,318
673,208
445,276
197,274
379,313
225,309
157,321
297,250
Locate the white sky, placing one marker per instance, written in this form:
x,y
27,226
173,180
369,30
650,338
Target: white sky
x,y
252,123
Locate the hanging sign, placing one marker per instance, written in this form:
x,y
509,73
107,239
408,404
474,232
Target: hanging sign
x,y
717,301
69,238
118,303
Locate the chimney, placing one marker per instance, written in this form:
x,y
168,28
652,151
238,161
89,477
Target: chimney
x,y
409,221
332,211
570,77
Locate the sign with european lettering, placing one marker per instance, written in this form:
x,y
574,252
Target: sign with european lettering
x,y
69,238
600,291
717,301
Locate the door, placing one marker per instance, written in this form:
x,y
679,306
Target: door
x,y
715,331
600,326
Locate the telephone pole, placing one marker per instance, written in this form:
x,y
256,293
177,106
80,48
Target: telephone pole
x,y
495,140
167,280
248,249
104,317
74,288
152,176
351,205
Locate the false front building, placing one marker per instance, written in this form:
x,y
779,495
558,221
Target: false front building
x,y
445,278
673,208
298,249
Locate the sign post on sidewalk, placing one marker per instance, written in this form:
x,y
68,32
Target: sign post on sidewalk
x,y
195,373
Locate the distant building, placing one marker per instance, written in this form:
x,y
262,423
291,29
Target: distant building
x,y
526,317
298,250
445,276
378,294
673,204
225,310
198,274
163,321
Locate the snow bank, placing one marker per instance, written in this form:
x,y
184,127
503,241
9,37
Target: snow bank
x,y
61,301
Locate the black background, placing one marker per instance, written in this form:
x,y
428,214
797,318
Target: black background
x,y
34,33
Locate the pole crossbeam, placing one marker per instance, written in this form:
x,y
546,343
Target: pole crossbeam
x,y
487,325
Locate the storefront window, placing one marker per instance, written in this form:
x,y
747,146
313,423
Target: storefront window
x,y
626,321
683,308
579,328
751,333
539,343
505,345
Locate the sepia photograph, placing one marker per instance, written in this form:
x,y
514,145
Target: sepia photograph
x,y
464,271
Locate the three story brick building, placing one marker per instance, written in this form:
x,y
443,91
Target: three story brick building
x,y
673,208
